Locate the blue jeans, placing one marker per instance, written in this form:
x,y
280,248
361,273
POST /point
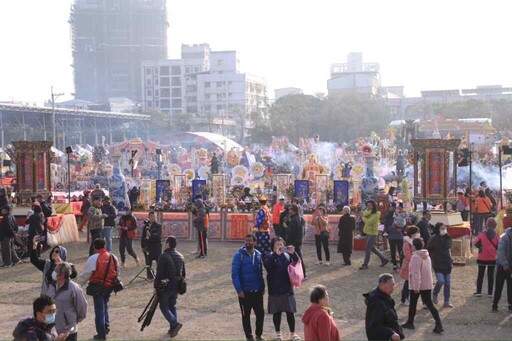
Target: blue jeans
x,y
167,302
446,280
106,234
101,313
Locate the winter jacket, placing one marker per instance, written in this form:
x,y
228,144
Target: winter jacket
x,y
247,271
487,243
8,226
152,240
504,254
86,204
71,305
278,280
95,220
97,266
111,212
295,231
35,222
420,271
320,223
319,324
199,215
46,266
346,226
425,229
166,269
130,222
371,222
483,205
439,249
277,209
47,209
381,319
407,251
32,330
394,232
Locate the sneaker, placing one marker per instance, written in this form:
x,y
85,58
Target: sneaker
x,y
260,338
490,295
477,294
384,262
408,325
137,261
405,304
494,308
425,307
447,305
327,263
363,267
318,262
194,252
200,257
278,337
434,299
438,330
97,337
395,267
295,337
123,265
175,330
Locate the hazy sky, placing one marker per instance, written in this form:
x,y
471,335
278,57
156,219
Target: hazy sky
x,y
420,44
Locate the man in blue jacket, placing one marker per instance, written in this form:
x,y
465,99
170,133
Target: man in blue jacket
x,y
247,276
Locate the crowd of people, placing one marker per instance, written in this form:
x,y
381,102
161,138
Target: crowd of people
x,y
419,252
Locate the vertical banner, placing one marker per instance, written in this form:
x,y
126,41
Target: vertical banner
x,y
341,193
180,189
198,188
219,189
435,173
239,226
282,184
302,189
163,190
27,162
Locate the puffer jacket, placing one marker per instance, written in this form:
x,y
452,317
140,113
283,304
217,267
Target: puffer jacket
x,y
32,330
71,305
381,319
504,254
488,242
247,271
420,271
166,269
278,280
371,222
407,250
439,248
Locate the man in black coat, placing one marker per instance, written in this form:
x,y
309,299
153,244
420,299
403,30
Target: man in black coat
x,y
425,227
170,266
296,233
381,318
8,228
151,242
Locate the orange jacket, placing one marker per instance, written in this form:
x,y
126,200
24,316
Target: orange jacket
x,y
277,209
483,205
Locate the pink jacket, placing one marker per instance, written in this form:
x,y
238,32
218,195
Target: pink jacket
x,y
420,271
488,250
407,250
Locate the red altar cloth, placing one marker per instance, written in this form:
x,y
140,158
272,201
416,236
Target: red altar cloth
x,y
458,231
53,222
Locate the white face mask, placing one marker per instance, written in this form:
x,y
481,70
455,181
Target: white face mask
x,y
442,232
54,276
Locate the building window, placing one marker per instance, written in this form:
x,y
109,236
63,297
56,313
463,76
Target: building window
x,y
207,96
148,71
149,104
165,93
155,71
196,69
156,104
165,103
148,82
176,81
164,70
164,81
176,70
206,84
176,92
176,103
187,70
219,84
149,92
157,93
156,81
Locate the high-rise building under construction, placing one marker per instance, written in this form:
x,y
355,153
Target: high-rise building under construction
x,y
110,40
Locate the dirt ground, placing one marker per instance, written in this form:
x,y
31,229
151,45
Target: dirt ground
x,y
210,310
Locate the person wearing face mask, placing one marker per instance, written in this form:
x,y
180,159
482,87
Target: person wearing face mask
x,y
57,255
247,277
41,327
487,244
318,322
69,299
439,247
425,227
412,233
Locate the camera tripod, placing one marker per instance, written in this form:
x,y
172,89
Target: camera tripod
x,y
139,274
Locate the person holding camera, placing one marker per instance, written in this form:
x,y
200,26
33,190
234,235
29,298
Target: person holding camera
x,y
101,271
127,232
57,256
151,242
170,268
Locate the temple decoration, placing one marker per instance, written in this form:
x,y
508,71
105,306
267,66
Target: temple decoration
x,y
370,182
283,182
33,171
180,189
219,189
321,188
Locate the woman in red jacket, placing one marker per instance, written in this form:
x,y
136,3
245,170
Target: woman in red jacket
x,y
487,243
318,322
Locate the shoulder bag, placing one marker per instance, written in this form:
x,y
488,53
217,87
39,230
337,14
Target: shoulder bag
x,y
182,284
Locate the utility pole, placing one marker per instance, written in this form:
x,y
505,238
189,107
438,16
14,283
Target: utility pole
x,y
53,98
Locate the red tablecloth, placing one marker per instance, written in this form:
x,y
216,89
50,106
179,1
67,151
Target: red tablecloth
x,y
459,231
53,222
76,205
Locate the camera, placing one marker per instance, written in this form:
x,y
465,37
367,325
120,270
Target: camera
x,y
146,222
164,283
42,238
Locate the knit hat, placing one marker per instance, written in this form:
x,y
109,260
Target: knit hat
x,y
491,223
399,221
